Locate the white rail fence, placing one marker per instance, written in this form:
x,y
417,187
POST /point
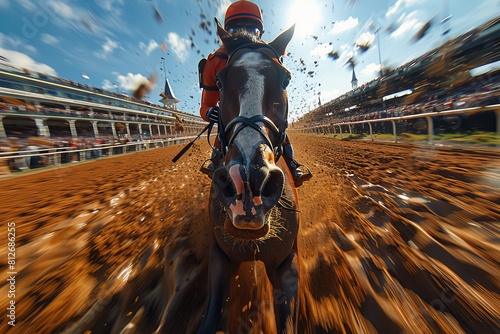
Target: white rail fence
x,y
52,157
44,157
337,128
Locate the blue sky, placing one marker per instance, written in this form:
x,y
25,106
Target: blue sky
x,y
115,44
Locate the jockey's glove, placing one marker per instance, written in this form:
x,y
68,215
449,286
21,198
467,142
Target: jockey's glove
x,y
213,114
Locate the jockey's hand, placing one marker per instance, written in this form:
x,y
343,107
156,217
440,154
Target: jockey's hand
x,y
213,114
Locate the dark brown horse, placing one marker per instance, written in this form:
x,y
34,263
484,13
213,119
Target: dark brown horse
x,y
253,201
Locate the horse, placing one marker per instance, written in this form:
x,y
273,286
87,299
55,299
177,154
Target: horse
x,y
253,203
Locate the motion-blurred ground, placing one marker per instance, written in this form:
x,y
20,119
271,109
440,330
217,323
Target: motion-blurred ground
x,y
394,238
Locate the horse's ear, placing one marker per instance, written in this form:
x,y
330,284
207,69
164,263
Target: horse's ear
x,y
280,42
221,32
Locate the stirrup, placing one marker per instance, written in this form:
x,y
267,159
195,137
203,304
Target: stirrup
x,y
299,176
215,162
208,170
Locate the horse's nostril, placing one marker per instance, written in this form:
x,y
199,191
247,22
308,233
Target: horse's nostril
x,y
223,183
274,184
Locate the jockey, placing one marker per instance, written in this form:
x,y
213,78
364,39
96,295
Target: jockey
x,y
246,15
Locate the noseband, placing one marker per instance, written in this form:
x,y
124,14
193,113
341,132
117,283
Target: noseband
x,y
251,122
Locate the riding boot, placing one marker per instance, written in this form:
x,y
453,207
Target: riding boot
x,y
299,177
215,162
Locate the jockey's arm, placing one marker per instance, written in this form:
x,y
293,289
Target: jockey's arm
x,y
210,92
209,98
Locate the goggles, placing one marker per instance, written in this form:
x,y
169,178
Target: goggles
x,y
252,30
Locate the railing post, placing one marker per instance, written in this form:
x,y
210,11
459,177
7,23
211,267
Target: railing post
x,y
113,129
127,126
95,128
72,128
430,128
371,131
394,131
57,159
3,134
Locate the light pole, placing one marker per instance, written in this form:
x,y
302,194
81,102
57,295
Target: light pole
x,y
374,26
379,51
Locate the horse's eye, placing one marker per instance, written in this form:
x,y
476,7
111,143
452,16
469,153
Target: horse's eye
x,y
219,84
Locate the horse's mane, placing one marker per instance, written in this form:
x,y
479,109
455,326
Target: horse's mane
x,y
239,38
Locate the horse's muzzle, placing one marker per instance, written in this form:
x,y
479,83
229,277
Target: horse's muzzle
x,y
248,193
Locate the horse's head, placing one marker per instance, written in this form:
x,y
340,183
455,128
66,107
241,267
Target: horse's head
x,y
253,112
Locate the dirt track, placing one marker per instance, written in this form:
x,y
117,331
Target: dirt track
x,y
394,238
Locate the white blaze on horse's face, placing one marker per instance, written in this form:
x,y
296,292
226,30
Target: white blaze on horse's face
x,y
251,98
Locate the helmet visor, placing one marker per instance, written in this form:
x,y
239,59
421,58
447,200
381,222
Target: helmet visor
x,y
250,29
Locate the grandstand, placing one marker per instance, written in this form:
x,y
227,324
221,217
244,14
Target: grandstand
x,y
35,104
440,76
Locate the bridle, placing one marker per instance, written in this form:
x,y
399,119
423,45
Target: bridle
x,y
251,122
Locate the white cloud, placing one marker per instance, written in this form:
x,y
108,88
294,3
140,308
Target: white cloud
x,y
16,44
179,46
150,47
341,26
410,24
4,4
400,5
108,85
365,39
328,95
22,60
346,52
107,48
371,70
49,39
322,50
131,81
62,9
394,8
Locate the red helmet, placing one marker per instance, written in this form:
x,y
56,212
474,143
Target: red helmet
x,y
243,10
